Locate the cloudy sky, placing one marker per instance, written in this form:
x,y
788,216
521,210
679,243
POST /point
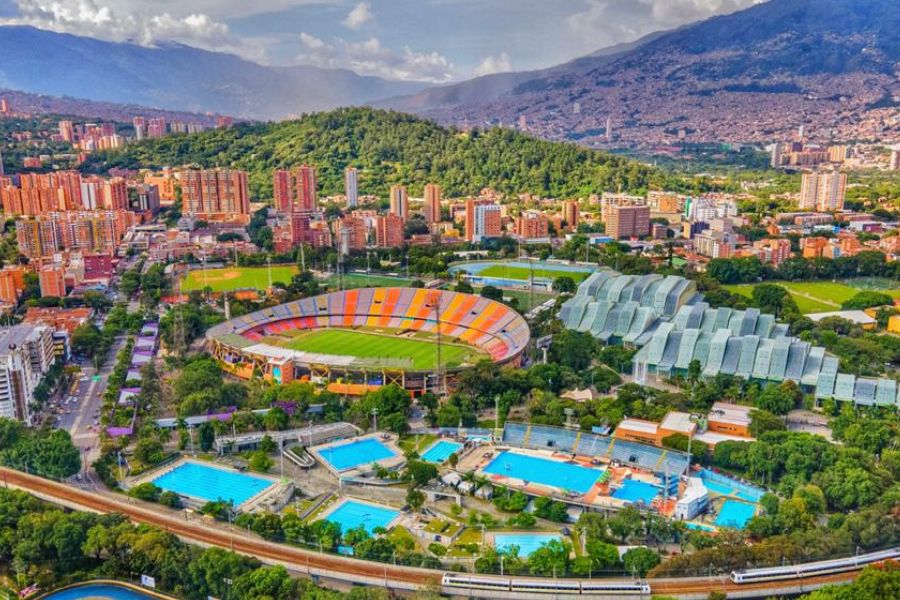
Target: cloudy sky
x,y
430,40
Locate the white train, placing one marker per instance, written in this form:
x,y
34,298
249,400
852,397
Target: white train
x,y
535,585
814,569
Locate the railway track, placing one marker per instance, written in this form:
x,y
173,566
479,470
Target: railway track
x,y
358,571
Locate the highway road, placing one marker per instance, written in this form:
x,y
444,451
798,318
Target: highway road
x,y
356,572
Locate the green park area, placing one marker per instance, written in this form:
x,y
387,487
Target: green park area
x,y
817,296
524,274
237,278
374,345
360,280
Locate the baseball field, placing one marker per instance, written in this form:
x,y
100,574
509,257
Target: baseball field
x,y
237,278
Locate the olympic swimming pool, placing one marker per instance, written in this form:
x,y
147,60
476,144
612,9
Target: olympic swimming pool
x,y
553,473
350,514
210,484
99,591
526,542
440,451
344,456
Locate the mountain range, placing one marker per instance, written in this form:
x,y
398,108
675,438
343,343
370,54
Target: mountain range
x,y
753,75
832,66
177,77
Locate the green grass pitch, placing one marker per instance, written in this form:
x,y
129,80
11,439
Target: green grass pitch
x,y
237,278
367,344
812,296
523,274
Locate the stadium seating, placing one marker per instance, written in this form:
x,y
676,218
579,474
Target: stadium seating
x,y
475,320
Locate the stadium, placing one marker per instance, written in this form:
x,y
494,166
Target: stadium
x,y
357,340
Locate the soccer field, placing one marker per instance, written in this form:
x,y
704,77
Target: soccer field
x,y
369,344
812,296
523,274
237,278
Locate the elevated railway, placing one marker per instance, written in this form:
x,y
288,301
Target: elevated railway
x,y
358,572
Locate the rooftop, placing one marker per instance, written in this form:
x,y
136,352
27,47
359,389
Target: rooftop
x,y
639,425
678,421
856,316
736,414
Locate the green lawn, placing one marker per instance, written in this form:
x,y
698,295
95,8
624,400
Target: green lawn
x,y
237,278
364,344
523,274
812,296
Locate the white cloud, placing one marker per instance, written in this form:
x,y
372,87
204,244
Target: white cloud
x,y
359,16
370,57
493,64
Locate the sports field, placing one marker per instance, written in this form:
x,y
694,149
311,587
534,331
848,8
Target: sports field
x,y
358,280
815,296
383,343
524,274
237,278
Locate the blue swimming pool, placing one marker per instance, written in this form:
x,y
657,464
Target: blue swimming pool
x,y
636,491
352,454
735,514
526,542
351,514
440,451
211,483
98,591
719,483
553,473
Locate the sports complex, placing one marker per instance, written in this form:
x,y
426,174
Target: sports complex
x,y
359,339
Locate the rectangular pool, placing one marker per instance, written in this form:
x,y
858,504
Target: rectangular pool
x,y
211,483
553,473
352,454
735,514
440,451
636,491
526,542
719,483
350,514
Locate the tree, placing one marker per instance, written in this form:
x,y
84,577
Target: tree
x,y
695,368
640,560
147,491
415,499
564,285
267,445
206,435
604,557
276,419
492,293
626,523
149,451
421,472
259,461
463,287
779,399
552,558
867,299
86,340
762,421
265,583
573,349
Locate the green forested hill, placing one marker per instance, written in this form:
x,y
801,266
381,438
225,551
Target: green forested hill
x,y
389,148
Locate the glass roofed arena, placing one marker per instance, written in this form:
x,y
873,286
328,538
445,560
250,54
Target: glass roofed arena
x,y
668,320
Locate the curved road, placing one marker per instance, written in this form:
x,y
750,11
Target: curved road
x,y
348,569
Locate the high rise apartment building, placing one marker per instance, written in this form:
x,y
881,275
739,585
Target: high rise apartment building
x,y
52,279
156,127
823,191
96,232
294,190
216,194
389,231
432,208
483,220
627,221
12,283
283,189
570,213
351,186
67,131
305,187
140,128
532,225
26,355
351,233
399,204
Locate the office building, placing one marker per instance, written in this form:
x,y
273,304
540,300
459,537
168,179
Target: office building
x,y
432,207
627,221
216,194
26,355
823,191
351,186
399,202
389,231
483,220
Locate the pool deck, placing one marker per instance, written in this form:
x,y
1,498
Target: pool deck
x,y
364,468
271,498
599,496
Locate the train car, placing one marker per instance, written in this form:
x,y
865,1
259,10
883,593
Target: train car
x,y
475,582
545,586
619,588
813,569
